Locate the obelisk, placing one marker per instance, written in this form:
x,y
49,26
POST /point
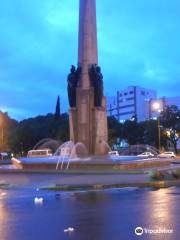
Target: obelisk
x,y
88,120
87,46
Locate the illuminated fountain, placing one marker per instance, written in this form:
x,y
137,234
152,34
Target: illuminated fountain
x,y
47,143
88,146
70,152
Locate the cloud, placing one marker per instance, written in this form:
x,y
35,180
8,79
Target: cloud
x,y
138,45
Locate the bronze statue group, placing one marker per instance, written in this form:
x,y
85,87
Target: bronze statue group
x,y
96,79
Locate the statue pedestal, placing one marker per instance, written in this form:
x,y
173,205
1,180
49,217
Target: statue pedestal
x,y
72,123
100,134
88,124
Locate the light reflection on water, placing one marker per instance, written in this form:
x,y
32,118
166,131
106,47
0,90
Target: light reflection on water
x,y
106,215
4,216
160,201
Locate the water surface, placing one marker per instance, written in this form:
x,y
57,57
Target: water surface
x,y
107,215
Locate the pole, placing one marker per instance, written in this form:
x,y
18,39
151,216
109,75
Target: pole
x,y
150,109
159,134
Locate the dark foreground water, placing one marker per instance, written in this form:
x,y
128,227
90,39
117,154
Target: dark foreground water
x,y
95,215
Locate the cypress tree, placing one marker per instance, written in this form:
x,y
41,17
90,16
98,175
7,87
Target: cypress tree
x,y
57,112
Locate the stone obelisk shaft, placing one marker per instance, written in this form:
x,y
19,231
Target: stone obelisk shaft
x,y
87,48
88,123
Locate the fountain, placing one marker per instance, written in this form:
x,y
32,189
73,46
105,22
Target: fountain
x,y
63,153
76,155
64,149
70,151
79,150
138,149
87,113
47,143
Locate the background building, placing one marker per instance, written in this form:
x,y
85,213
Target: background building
x,y
130,102
140,102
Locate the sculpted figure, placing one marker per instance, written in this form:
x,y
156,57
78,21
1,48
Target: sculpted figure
x,y
73,79
96,79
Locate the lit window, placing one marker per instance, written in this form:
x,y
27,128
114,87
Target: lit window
x,y
122,121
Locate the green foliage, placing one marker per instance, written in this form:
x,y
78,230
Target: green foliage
x,y
114,130
7,127
135,133
57,112
131,132
32,130
22,136
170,120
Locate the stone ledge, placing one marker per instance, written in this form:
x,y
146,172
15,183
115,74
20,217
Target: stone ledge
x,y
150,184
100,166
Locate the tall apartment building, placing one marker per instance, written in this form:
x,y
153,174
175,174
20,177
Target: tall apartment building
x,y
132,101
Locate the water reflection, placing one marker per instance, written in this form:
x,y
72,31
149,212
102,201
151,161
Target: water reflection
x,y
4,215
159,211
92,197
91,212
103,215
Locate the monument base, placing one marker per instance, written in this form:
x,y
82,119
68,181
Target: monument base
x,y
100,135
89,126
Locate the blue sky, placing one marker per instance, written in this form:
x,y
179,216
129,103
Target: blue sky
x,y
139,44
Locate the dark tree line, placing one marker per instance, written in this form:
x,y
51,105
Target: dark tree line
x,y
22,136
7,127
133,132
170,120
147,132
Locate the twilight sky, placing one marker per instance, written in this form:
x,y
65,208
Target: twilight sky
x,y
139,44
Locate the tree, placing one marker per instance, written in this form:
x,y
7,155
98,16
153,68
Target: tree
x,y
30,131
131,131
148,132
170,120
7,126
57,112
114,130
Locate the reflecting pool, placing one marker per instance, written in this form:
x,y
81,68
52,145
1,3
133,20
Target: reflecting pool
x,y
107,215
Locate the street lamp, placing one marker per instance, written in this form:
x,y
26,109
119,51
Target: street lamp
x,y
159,133
156,106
